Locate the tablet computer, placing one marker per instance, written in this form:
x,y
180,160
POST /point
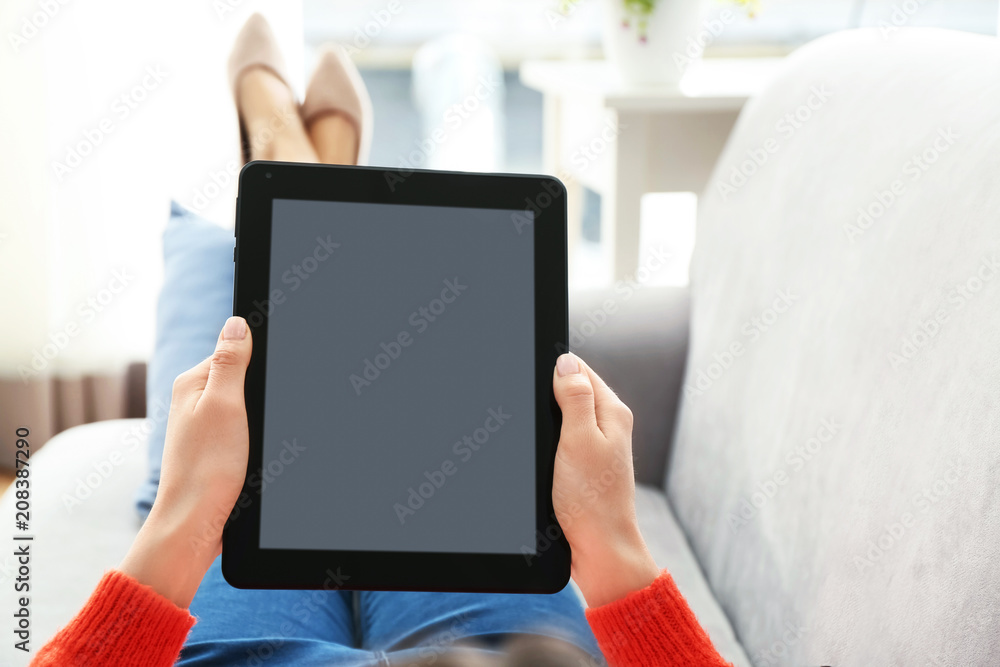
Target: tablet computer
x,y
399,396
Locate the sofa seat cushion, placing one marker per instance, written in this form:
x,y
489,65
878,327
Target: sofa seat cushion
x,y
670,549
82,518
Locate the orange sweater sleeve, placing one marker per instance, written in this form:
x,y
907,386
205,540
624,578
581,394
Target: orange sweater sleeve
x,y
653,627
127,624
124,624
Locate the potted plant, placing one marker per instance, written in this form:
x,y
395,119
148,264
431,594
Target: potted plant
x,y
653,42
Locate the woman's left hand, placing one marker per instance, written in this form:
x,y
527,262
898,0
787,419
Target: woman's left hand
x,y
204,466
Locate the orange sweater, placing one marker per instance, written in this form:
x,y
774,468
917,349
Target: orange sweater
x,y
126,624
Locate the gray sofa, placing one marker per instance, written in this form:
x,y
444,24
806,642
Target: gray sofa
x,y
833,474
817,420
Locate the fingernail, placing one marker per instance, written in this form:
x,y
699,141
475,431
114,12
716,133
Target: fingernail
x,y
567,364
235,329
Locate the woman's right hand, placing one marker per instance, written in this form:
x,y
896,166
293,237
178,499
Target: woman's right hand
x,y
593,490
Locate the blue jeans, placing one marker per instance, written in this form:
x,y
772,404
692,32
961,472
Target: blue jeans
x,y
253,628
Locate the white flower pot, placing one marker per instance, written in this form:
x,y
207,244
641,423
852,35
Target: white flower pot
x,y
656,48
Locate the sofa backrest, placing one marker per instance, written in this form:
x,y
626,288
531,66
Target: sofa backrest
x,y
836,464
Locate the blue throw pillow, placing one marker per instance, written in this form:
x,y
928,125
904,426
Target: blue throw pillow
x,y
196,300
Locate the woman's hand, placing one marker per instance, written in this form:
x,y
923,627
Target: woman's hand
x,y
204,466
593,490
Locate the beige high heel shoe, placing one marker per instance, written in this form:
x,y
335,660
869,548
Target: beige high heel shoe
x,y
255,46
337,87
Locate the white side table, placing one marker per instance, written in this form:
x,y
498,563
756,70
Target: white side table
x,y
624,141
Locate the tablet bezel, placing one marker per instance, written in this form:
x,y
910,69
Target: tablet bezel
x,y
244,563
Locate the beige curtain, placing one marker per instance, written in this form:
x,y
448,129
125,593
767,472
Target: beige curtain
x,y
113,109
49,405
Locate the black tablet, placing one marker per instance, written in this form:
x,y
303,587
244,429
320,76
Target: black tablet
x,y
399,398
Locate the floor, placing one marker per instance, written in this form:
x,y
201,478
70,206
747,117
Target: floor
x,y
6,479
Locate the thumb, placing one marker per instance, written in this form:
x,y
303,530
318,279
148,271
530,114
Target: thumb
x,y
229,362
574,394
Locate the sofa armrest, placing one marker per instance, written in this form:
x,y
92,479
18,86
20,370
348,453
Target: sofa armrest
x,y
637,338
82,518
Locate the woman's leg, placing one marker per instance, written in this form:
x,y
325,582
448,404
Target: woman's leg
x,y
335,139
248,627
421,625
337,109
270,116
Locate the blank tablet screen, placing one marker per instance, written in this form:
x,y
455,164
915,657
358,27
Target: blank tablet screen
x,y
399,402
